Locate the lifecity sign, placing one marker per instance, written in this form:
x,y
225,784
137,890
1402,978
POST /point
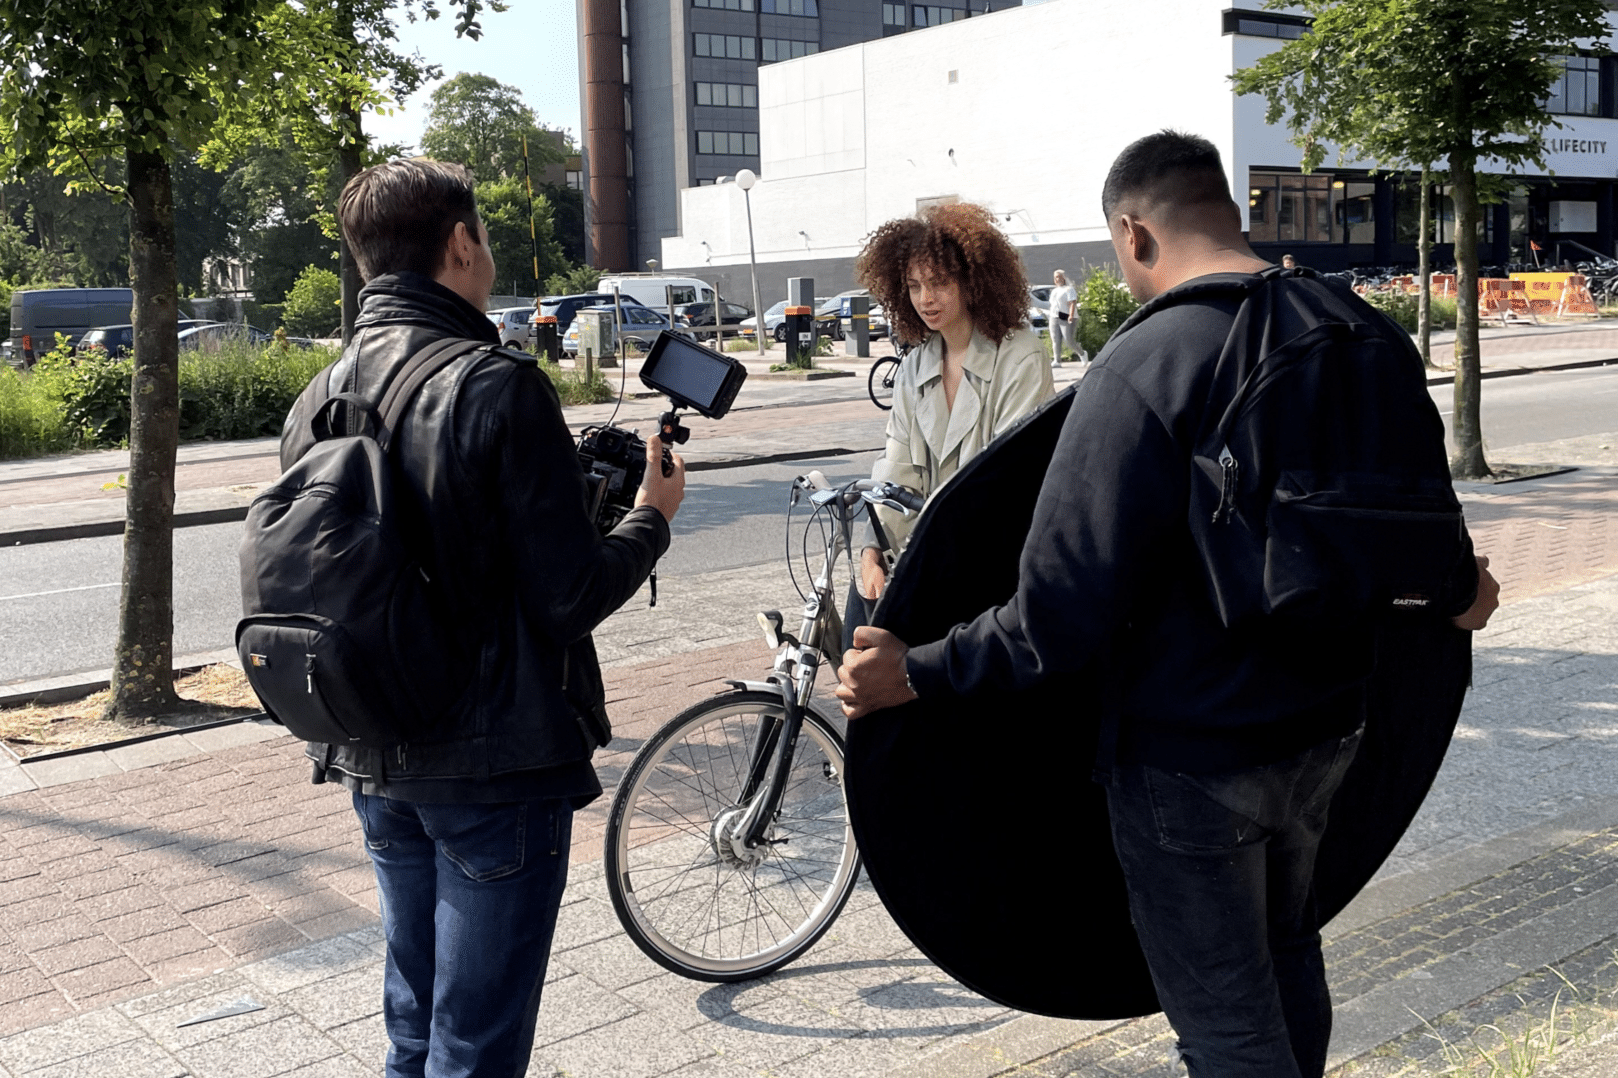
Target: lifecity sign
x,y
1575,145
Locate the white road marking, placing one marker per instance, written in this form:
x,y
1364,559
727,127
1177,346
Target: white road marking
x,y
59,591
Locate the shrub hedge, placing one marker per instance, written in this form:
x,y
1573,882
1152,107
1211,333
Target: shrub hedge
x,y
240,390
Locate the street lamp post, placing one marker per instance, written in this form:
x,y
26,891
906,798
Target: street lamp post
x,y
745,179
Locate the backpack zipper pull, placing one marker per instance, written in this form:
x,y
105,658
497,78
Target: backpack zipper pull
x,y
309,673
654,586
1227,488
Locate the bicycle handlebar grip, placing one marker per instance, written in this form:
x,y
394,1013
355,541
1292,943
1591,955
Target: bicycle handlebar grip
x,y
906,497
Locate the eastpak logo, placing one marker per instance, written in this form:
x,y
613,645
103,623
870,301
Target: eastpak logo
x,y
1412,600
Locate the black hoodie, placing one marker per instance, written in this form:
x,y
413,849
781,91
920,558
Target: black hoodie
x,y
1110,584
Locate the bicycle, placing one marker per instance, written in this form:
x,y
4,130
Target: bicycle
x,y
729,848
879,383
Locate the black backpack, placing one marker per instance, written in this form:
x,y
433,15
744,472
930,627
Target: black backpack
x,y
1319,488
344,636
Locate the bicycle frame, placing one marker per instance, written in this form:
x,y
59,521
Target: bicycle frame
x,y
798,659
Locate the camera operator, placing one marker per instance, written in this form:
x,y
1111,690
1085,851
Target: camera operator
x,y
469,827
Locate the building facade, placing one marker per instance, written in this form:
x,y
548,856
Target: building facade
x,y
687,75
1024,110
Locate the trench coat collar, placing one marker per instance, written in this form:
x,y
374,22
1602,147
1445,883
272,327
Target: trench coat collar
x,y
942,427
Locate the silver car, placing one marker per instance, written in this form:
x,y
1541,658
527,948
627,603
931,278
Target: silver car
x,y
640,325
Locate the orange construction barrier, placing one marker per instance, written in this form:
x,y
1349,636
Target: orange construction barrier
x,y
1506,298
1544,290
1576,297
1443,285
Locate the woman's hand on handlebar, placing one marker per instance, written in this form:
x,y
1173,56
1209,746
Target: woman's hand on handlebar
x,y
873,573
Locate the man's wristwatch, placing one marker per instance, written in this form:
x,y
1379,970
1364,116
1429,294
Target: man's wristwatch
x,y
908,683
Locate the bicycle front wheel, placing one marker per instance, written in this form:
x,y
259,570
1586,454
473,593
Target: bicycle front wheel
x,y
880,382
692,900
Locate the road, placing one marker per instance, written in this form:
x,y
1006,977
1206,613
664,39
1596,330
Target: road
x,y
1542,407
59,601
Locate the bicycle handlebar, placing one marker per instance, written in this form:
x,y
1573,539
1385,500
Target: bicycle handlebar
x,y
871,491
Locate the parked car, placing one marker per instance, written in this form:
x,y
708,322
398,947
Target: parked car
x,y
775,321
829,315
640,325
120,340
1039,305
211,335
562,308
702,314
512,325
39,314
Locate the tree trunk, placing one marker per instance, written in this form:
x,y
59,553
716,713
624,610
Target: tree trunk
x,y
349,164
1424,268
1468,462
350,160
143,661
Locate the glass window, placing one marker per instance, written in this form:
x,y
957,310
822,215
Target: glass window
x,y
724,46
727,95
728,5
780,49
929,15
893,14
808,8
1289,207
733,143
1577,89
1265,28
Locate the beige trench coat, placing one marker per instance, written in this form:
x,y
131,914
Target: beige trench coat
x,y
928,442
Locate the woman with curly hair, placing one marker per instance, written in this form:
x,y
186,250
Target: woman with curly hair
x,y
950,280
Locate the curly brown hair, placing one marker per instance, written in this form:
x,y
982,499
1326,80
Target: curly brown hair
x,y
960,242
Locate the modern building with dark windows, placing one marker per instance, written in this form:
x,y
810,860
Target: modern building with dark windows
x,y
670,96
1023,111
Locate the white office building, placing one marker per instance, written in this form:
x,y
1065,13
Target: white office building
x,y
1023,111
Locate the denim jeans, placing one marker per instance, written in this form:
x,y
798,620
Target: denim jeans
x,y
469,896
1220,871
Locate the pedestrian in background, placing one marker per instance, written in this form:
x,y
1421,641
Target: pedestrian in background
x,y
1063,319
951,280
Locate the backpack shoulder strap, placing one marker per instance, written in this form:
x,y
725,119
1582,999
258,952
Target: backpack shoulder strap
x,y
404,385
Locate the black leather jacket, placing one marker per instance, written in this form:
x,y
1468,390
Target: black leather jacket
x,y
492,465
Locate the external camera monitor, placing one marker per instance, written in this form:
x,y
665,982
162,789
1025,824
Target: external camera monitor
x,y
692,376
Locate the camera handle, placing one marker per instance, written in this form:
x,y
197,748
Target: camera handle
x,y
673,432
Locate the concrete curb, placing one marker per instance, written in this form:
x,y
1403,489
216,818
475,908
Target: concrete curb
x,y
79,684
1511,372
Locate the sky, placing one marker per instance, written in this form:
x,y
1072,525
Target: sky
x,y
533,45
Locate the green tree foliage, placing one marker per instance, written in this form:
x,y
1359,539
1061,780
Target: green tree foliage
x,y
314,304
574,282
1104,305
480,123
1418,83
503,205
567,219
82,81
283,203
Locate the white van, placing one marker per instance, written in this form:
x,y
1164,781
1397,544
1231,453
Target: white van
x,y
651,289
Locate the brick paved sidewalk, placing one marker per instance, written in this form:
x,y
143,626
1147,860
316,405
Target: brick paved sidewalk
x,y
134,896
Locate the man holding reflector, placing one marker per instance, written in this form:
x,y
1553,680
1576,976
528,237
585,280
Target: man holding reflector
x,y
1248,493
